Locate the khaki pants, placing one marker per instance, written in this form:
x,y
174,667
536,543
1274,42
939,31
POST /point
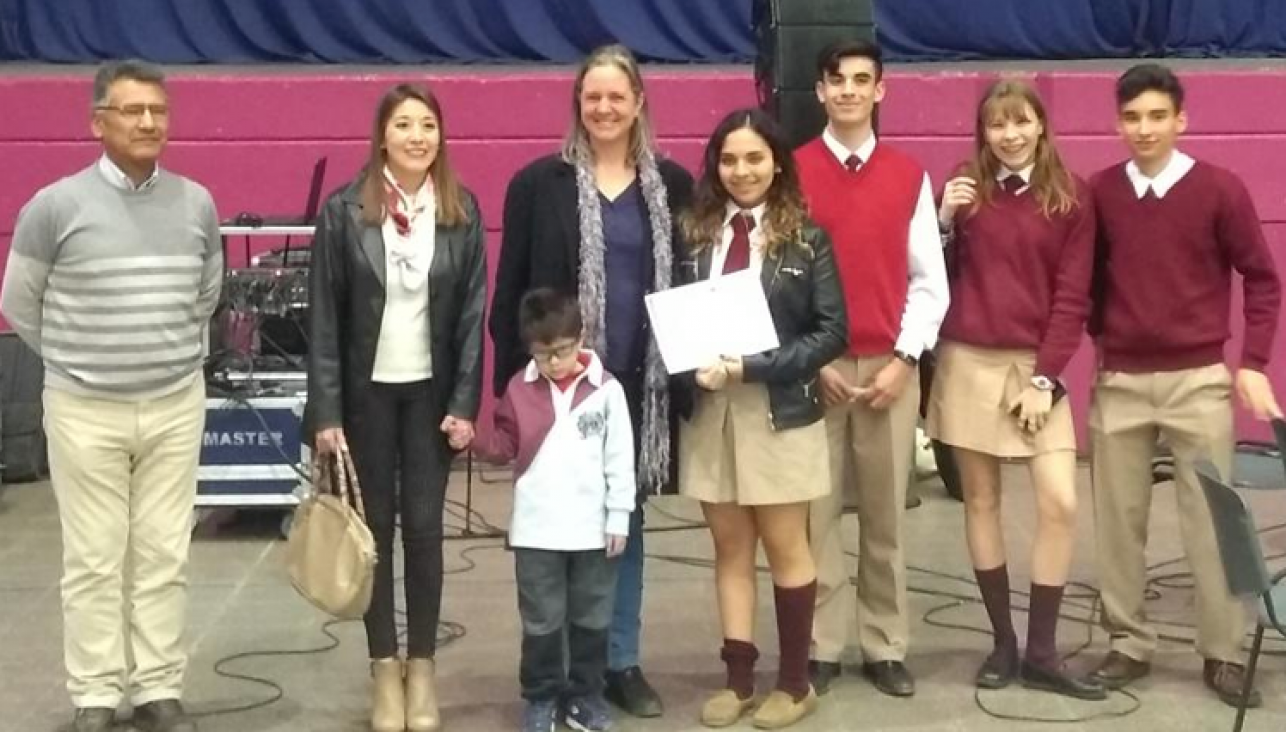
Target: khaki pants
x,y
1192,411
124,475
879,446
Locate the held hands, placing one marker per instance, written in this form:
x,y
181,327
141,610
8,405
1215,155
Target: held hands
x,y
330,441
959,192
1256,394
459,432
1032,409
616,545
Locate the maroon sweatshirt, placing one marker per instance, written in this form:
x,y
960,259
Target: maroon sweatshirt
x,y
1163,273
1020,279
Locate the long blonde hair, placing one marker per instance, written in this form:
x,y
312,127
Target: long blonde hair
x,y
1051,183
576,145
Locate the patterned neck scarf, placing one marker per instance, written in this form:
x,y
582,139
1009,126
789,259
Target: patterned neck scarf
x,y
409,213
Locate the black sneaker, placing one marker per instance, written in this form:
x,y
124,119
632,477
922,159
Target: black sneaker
x,y
587,714
540,716
630,691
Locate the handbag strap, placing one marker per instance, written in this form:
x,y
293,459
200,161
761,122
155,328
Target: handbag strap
x,y
346,472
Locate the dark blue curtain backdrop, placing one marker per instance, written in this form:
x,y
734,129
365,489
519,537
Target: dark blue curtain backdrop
x,y
703,31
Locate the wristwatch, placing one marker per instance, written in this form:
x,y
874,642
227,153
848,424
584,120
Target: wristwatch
x,y
1043,383
906,358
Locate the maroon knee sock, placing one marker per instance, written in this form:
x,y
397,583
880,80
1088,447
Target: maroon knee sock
x,y
794,632
1042,624
994,585
740,658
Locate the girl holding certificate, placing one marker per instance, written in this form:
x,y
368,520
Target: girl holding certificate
x,y
1020,232
753,449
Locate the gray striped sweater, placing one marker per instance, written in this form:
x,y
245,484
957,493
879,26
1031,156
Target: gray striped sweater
x,y
114,287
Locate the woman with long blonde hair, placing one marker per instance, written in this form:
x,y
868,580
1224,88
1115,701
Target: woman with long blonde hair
x,y
1020,237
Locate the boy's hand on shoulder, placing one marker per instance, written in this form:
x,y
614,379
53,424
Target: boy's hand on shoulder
x,y
616,545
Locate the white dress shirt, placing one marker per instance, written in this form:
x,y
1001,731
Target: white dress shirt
x,y
1179,165
118,178
1025,174
927,294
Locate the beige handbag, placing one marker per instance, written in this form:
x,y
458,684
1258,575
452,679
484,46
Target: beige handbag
x,y
330,553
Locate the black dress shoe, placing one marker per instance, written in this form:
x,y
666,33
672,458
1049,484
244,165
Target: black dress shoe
x,y
93,719
630,691
890,677
1059,682
821,674
1117,670
999,670
162,715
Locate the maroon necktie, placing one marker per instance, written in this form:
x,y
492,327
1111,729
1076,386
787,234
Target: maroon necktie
x,y
852,163
1012,183
739,250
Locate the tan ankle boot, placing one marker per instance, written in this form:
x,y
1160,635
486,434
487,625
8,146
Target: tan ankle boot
x,y
388,698
421,696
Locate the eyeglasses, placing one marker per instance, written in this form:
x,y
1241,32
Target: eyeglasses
x,y
562,353
135,112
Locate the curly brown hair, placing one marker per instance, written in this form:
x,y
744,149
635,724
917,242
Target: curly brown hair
x,y
785,213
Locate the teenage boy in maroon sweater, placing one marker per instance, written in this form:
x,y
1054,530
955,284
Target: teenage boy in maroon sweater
x,y
877,205
1170,232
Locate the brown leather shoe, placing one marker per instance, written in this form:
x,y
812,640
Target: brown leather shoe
x,y
1227,679
1119,670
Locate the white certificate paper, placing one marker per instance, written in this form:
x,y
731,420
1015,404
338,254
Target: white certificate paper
x,y
696,324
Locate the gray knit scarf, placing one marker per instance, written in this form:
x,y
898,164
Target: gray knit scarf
x,y
654,454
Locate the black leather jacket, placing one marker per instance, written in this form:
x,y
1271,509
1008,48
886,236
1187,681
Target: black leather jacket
x,y
346,305
807,305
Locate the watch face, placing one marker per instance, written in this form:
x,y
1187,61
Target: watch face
x,y
1043,383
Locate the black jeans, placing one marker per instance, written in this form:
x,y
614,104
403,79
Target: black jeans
x,y
403,461
565,600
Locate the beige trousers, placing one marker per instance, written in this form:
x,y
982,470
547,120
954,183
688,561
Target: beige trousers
x,y
124,475
1192,411
878,447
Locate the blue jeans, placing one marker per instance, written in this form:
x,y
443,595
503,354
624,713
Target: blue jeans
x,y
627,615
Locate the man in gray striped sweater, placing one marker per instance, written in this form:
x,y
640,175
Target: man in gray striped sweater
x,y
112,276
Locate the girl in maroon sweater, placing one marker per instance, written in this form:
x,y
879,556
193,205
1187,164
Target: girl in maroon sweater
x,y
1020,232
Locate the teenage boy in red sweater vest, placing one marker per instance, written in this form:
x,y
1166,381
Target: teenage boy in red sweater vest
x,y
1170,231
877,205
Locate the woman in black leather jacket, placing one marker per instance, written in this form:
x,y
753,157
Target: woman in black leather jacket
x,y
753,450
396,291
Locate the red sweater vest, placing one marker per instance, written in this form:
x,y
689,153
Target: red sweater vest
x,y
1164,273
868,216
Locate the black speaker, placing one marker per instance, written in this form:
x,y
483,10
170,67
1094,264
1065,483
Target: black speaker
x,y
789,34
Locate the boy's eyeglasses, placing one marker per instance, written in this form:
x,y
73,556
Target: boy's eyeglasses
x,y
562,353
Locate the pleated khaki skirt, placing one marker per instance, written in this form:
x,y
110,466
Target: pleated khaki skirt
x,y
974,390
729,453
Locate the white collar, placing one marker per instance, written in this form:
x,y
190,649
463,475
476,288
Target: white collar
x,y
841,153
1179,165
118,178
1025,173
593,370
731,209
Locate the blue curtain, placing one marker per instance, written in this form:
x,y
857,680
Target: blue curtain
x,y
704,31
